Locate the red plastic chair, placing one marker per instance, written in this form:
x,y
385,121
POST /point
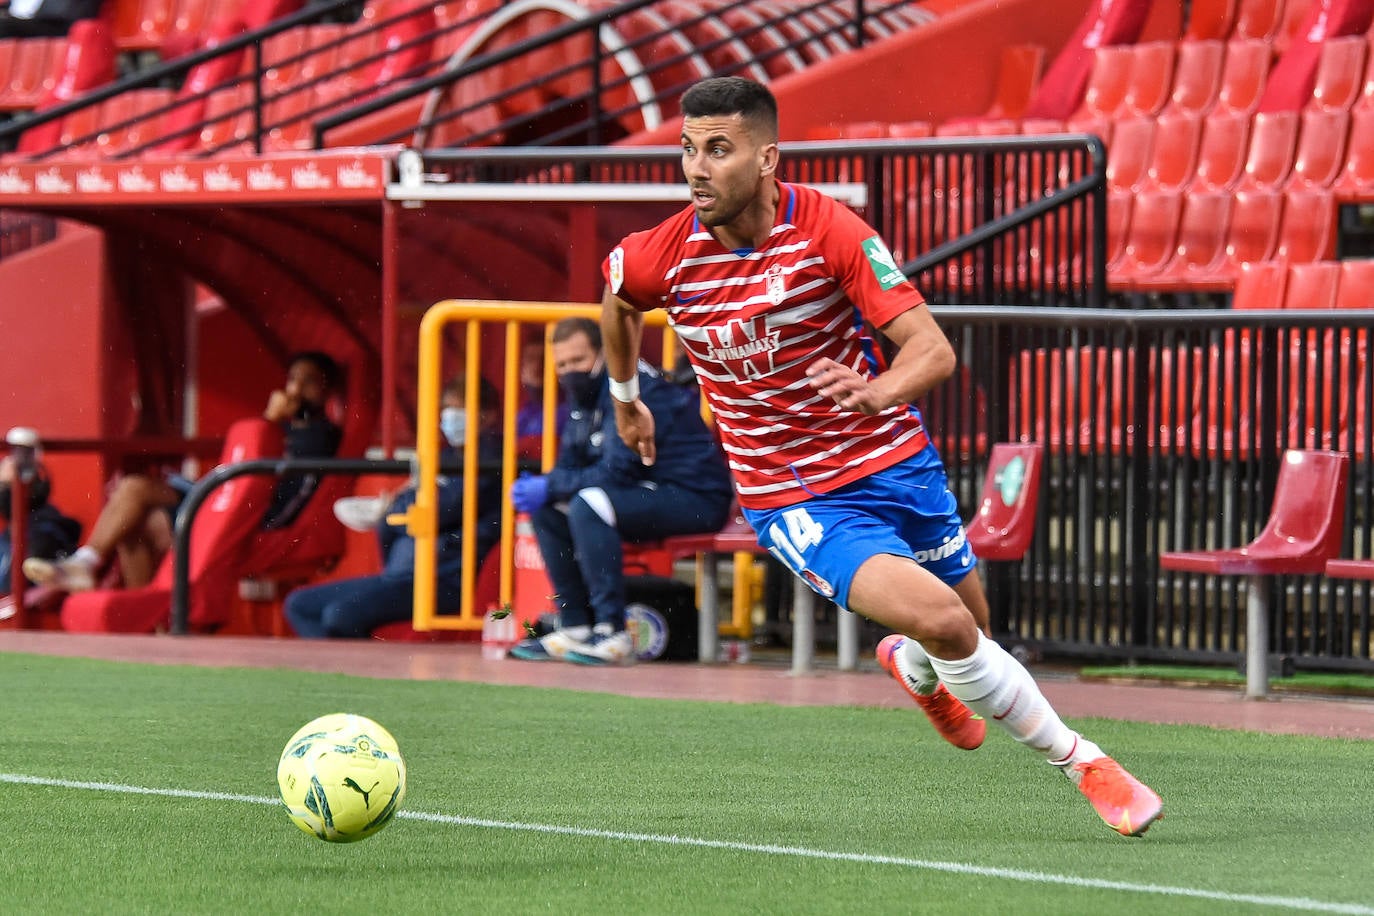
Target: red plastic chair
x,y
1340,73
1152,237
1356,290
1221,150
1197,76
1257,19
1200,254
1210,19
1302,533
1312,285
1256,219
1320,152
1260,285
1308,231
1273,144
1243,75
1004,524
1107,83
1152,78
1128,155
1356,180
1341,568
1173,157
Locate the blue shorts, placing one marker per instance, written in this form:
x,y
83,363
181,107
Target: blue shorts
x,y
906,510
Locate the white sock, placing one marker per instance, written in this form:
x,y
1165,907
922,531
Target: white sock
x,y
87,556
993,684
913,664
577,633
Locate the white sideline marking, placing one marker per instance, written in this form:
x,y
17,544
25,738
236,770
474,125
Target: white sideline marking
x,y
1011,874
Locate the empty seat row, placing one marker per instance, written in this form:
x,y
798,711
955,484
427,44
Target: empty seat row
x,y
1224,151
1168,240
1325,284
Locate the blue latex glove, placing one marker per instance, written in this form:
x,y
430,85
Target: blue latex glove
x,y
529,492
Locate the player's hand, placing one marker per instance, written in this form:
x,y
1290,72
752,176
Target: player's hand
x,y
844,386
635,424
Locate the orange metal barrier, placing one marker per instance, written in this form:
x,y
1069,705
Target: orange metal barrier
x,y
421,518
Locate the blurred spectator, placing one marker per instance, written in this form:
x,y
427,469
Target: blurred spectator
x,y
529,419
600,493
357,606
44,18
48,533
135,524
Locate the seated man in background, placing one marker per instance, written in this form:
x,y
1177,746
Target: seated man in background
x,y
355,607
600,493
48,534
135,525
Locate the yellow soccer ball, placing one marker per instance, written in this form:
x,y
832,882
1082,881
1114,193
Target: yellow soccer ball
x,y
341,777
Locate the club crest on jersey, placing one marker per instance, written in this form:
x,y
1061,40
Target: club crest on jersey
x,y
617,268
775,285
744,347
882,263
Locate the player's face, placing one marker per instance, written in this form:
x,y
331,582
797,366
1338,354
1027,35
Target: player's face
x,y
725,164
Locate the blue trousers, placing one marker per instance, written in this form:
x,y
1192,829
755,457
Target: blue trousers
x,y
582,553
353,608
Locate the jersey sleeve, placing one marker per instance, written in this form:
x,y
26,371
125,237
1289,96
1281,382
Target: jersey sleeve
x,y
867,270
629,273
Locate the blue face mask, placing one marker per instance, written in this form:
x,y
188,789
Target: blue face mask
x,y
453,423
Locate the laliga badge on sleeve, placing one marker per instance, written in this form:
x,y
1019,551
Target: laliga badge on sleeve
x,y
617,270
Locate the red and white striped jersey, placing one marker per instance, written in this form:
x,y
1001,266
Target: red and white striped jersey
x,y
752,321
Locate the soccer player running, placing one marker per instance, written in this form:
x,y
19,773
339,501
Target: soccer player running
x,y
767,285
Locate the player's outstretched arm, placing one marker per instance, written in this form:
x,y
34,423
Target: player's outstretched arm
x,y
924,359
621,328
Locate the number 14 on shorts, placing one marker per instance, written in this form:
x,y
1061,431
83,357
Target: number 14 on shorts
x,y
790,546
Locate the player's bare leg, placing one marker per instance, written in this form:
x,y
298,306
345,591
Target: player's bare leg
x,y
943,638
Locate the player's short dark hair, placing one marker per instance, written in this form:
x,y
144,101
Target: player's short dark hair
x,y
727,95
324,364
568,327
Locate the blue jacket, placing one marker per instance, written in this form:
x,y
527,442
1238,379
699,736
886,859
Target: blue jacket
x,y
398,547
592,454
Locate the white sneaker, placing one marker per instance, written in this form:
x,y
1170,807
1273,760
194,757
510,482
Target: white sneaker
x,y
360,513
555,646
69,575
606,647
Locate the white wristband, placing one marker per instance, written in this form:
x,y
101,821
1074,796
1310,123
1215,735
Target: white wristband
x,y
626,392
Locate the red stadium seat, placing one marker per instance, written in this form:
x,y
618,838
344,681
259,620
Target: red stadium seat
x,y
1243,75
1210,20
1004,523
1260,285
1201,248
1152,237
1320,151
1303,531
1128,156
1118,224
1152,78
1340,72
1173,155
1312,285
1308,231
1356,180
1222,149
1197,76
1273,143
1107,83
1256,219
1257,19
1356,290
31,72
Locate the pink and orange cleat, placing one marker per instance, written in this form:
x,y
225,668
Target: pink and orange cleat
x,y
955,722
1127,805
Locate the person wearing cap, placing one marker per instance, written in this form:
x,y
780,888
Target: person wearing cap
x,y
48,533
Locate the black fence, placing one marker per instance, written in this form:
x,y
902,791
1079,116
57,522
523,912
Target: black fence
x,y
1163,431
